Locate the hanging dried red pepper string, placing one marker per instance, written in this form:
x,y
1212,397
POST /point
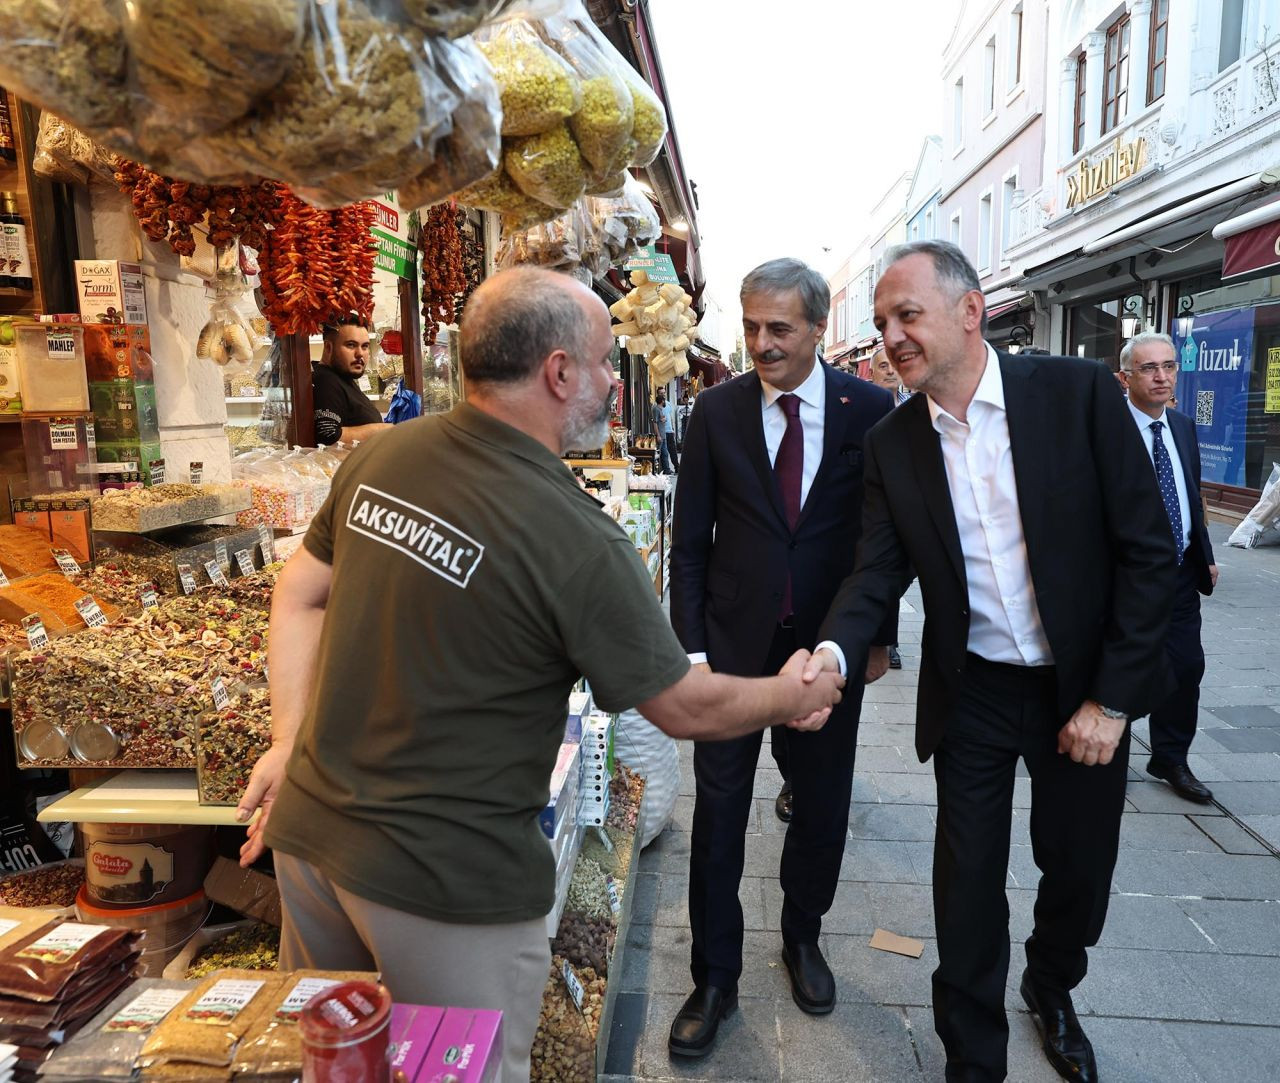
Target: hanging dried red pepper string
x,y
443,274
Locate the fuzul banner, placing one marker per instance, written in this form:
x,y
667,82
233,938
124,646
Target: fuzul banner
x,y
1216,363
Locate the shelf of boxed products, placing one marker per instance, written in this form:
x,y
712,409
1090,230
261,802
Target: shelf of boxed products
x,y
139,797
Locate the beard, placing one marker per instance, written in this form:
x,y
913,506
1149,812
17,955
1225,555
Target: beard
x,y
587,422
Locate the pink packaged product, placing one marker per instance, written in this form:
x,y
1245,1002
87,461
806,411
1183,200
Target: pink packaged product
x,y
412,1028
465,1049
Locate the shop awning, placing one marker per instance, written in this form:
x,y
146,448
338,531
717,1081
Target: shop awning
x,y
996,311
1252,243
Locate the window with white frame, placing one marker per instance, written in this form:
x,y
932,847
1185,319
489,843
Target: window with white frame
x,y
1015,47
840,320
1231,33
989,78
954,233
957,118
984,231
929,234
1007,190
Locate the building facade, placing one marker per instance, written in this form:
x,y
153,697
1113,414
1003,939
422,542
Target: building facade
x,y
923,207
1165,124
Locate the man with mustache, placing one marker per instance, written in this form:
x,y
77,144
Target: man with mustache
x,y
766,524
424,641
1019,492
342,410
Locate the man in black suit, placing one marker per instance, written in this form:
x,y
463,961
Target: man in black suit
x,y
766,525
1149,370
1016,490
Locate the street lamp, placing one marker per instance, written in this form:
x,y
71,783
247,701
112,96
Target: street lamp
x,y
1184,323
1134,315
1019,338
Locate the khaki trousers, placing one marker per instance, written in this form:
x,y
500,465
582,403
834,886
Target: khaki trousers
x,y
500,967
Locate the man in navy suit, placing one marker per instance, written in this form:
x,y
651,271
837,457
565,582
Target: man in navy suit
x,y
1149,370
767,519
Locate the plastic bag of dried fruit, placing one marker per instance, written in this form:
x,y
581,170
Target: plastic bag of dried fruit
x,y
451,18
540,90
201,67
358,110
591,241
498,192
473,148
629,222
54,158
602,127
654,756
547,167
551,244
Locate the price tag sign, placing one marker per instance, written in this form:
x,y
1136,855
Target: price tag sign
x,y
150,599
197,473
220,551
37,637
62,347
157,471
62,435
221,701
4,579
187,576
615,900
92,613
244,561
67,564
216,574
605,841
573,984
267,543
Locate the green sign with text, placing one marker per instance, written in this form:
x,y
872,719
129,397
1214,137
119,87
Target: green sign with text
x,y
657,265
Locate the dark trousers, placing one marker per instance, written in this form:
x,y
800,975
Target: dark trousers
x,y
663,450
670,440
1173,723
1006,712
778,750
821,766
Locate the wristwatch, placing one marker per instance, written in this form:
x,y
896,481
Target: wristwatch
x,y
1111,712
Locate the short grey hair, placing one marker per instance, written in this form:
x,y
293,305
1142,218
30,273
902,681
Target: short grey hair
x,y
1144,339
786,276
951,266
515,320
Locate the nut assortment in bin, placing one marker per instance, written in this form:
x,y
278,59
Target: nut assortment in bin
x,y
228,744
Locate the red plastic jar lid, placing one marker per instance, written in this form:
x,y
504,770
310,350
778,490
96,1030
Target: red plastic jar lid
x,y
345,1014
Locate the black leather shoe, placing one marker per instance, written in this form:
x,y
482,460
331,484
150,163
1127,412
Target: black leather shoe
x,y
782,806
1181,781
693,1030
1064,1040
812,986
895,659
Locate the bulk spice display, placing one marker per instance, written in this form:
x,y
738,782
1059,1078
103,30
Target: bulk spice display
x,y
53,885
228,744
444,276
256,947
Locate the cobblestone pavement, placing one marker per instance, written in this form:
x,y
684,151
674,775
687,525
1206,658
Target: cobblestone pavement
x,y
1184,985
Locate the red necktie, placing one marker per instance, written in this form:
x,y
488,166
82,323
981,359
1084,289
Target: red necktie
x,y
788,468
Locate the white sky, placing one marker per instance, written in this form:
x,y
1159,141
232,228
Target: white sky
x,y
794,117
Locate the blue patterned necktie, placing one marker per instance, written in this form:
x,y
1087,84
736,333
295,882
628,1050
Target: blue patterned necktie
x,y
1168,487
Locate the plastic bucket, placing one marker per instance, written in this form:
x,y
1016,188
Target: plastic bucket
x,y
128,866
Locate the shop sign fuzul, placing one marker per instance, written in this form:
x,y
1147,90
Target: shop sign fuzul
x,y
1092,179
390,231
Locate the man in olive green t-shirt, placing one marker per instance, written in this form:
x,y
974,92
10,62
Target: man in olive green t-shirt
x,y
424,641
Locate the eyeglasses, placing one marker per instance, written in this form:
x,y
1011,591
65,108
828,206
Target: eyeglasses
x,y
1151,368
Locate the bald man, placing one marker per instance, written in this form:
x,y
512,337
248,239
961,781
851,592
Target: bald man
x,y
883,374
457,558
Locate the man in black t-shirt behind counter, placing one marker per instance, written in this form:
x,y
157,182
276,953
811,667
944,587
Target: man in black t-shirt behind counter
x,y
424,641
343,410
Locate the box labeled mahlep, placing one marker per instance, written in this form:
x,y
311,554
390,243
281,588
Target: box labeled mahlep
x,y
111,291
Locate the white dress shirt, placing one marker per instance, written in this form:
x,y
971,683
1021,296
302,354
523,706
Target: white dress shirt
x,y
1179,479
813,404
1004,620
812,394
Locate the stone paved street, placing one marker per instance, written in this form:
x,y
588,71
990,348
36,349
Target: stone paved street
x,y
1185,984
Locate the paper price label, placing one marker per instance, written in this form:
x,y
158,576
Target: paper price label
x,y
67,564
605,841
37,637
62,347
157,471
266,542
615,900
145,1011
220,551
573,984
150,599
92,613
4,579
187,576
62,436
244,561
216,575
221,701
197,473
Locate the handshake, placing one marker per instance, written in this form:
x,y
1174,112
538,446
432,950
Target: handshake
x,y
816,688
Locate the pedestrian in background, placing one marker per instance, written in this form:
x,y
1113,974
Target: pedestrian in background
x,y
767,518
1019,491
662,432
1149,369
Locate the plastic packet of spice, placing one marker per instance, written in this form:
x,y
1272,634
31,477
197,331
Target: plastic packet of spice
x,y
40,965
539,88
274,1044
109,1045
79,999
206,1026
473,148
17,922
